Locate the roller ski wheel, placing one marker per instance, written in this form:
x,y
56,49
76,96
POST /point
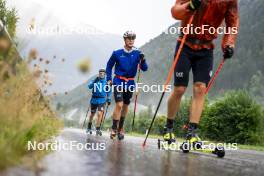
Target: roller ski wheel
x,y
89,132
171,141
219,151
197,145
185,147
166,145
98,133
192,144
113,134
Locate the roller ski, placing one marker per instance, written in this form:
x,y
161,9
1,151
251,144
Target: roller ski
x,y
168,139
121,134
194,143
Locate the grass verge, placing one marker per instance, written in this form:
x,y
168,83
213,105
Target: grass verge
x,y
24,115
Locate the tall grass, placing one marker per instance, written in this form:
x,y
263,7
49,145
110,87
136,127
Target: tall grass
x,y
24,116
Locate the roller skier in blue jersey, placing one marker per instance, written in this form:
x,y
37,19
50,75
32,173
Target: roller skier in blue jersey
x,y
101,94
126,62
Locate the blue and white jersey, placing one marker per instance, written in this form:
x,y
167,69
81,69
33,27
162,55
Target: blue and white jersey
x,y
126,64
100,92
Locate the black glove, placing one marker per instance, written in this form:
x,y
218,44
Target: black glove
x,y
96,80
142,56
228,52
195,4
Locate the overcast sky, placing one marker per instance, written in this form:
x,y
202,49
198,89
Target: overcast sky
x,y
148,18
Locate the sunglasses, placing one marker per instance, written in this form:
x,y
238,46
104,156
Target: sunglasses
x,y
130,38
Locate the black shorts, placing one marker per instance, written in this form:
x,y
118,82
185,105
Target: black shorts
x,y
124,96
201,63
94,107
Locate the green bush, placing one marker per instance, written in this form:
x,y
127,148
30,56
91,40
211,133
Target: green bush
x,y
234,118
141,123
24,117
158,125
182,117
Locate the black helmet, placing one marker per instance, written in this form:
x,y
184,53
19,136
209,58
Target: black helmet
x,y
129,34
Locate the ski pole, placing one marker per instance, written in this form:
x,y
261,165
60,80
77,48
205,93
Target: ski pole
x,y
104,116
135,103
168,79
215,75
86,116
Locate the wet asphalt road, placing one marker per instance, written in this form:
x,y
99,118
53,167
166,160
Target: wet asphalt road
x,y
129,158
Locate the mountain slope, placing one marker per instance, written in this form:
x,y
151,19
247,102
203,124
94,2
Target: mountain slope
x,y
73,41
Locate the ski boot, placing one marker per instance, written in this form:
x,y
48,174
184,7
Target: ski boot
x,y
121,134
98,133
113,134
89,131
193,138
192,141
168,135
